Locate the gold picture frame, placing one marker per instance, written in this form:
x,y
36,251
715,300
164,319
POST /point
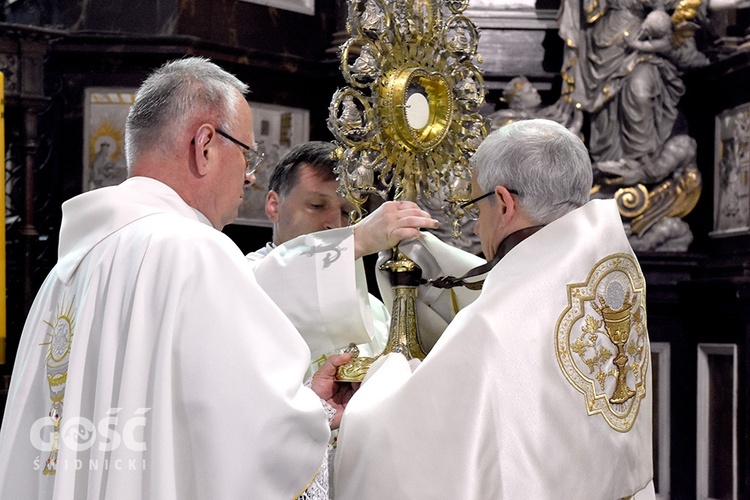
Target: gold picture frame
x,y
105,112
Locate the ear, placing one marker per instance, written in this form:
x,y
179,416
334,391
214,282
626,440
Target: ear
x,y
204,141
509,207
272,206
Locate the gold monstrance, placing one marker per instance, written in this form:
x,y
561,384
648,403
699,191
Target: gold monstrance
x,y
406,125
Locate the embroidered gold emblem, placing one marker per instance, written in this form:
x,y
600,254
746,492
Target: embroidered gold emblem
x,y
61,327
601,341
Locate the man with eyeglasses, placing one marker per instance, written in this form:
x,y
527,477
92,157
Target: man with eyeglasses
x,y
252,156
541,388
152,364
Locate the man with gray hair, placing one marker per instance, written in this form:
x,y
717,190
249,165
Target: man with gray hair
x,y
152,365
541,387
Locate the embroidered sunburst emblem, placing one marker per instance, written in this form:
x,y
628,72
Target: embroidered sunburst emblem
x,y
61,327
60,334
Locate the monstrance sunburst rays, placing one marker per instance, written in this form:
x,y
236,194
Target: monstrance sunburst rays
x,y
408,121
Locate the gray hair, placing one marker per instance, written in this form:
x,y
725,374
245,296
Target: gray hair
x,y
546,163
172,96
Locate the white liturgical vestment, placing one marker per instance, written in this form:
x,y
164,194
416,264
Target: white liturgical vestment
x,y
322,289
539,389
153,366
318,284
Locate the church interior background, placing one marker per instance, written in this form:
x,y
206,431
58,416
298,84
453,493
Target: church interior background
x,y
70,70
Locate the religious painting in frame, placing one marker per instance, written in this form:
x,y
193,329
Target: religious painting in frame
x,y
302,6
277,129
732,172
105,112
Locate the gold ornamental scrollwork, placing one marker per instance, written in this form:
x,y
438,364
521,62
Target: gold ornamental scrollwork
x,y
632,201
406,126
413,99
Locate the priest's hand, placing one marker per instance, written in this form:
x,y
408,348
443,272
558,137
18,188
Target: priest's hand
x,y
336,394
392,222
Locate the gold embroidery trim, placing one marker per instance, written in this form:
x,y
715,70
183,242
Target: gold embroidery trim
x,y
601,340
303,490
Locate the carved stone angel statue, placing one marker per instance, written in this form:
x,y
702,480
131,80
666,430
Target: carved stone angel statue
x,y
623,67
524,102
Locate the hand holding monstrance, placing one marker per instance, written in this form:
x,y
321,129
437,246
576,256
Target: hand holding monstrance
x,y
419,125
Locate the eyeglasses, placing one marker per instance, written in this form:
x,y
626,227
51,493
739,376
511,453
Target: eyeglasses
x,y
253,157
471,211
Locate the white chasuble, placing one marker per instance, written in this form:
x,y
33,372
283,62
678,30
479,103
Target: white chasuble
x,y
541,388
322,289
152,365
